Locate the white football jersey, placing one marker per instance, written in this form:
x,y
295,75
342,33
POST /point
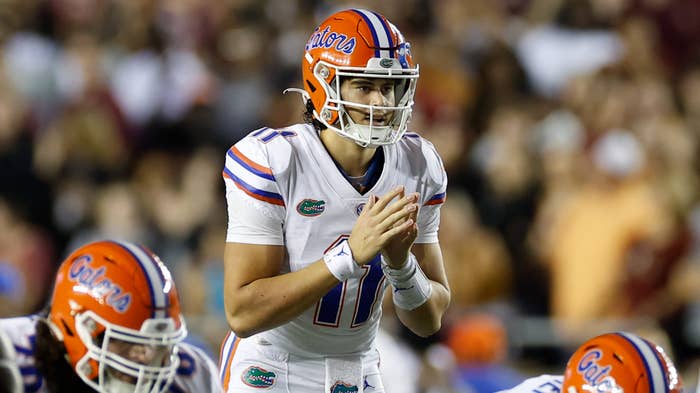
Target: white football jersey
x,y
283,188
542,384
196,373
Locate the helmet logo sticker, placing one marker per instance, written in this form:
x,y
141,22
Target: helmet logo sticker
x,y
331,39
386,63
98,285
595,374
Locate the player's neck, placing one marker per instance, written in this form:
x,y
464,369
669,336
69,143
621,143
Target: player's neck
x,y
352,158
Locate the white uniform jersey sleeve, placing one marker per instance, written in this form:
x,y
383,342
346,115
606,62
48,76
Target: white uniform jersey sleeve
x,y
21,333
196,373
435,191
542,384
255,205
9,371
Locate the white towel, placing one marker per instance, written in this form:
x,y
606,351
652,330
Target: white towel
x,y
344,374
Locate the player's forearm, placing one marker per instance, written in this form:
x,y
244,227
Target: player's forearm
x,y
426,320
269,302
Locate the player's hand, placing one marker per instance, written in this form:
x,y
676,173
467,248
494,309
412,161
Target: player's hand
x,y
380,222
396,250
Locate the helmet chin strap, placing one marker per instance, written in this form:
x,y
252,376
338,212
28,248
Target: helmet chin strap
x,y
364,132
115,385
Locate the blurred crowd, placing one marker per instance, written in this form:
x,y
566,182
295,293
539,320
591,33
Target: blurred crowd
x,y
569,131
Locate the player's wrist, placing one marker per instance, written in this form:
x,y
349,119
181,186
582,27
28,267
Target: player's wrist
x,y
401,272
411,286
395,262
340,262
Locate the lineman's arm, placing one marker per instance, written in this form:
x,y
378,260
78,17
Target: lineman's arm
x,y
427,318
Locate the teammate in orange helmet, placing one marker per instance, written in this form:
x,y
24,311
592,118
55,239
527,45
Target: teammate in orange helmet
x,y
327,215
617,362
113,325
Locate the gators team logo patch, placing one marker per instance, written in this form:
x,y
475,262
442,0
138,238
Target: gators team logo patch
x,y
342,387
311,207
258,377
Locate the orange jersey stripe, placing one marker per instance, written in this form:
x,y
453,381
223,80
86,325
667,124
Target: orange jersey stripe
x,y
223,345
263,198
248,161
227,367
434,202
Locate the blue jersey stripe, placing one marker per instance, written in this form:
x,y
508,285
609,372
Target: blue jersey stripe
x,y
257,191
437,196
250,169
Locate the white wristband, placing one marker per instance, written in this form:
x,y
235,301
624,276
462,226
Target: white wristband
x,y
411,287
340,262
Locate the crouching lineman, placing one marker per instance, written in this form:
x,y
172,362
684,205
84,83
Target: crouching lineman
x,y
113,326
611,363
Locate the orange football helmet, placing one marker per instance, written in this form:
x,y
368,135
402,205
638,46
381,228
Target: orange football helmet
x,y
621,363
115,303
358,43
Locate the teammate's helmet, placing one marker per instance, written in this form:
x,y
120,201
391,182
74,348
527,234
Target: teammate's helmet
x,y
111,298
621,363
358,43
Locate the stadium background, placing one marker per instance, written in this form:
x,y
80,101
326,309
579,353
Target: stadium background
x,y
569,131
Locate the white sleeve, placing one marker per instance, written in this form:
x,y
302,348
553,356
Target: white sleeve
x,y
436,187
252,221
256,209
542,384
9,371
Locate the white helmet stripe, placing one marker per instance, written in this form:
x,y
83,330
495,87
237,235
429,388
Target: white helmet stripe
x,y
380,33
156,280
652,363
